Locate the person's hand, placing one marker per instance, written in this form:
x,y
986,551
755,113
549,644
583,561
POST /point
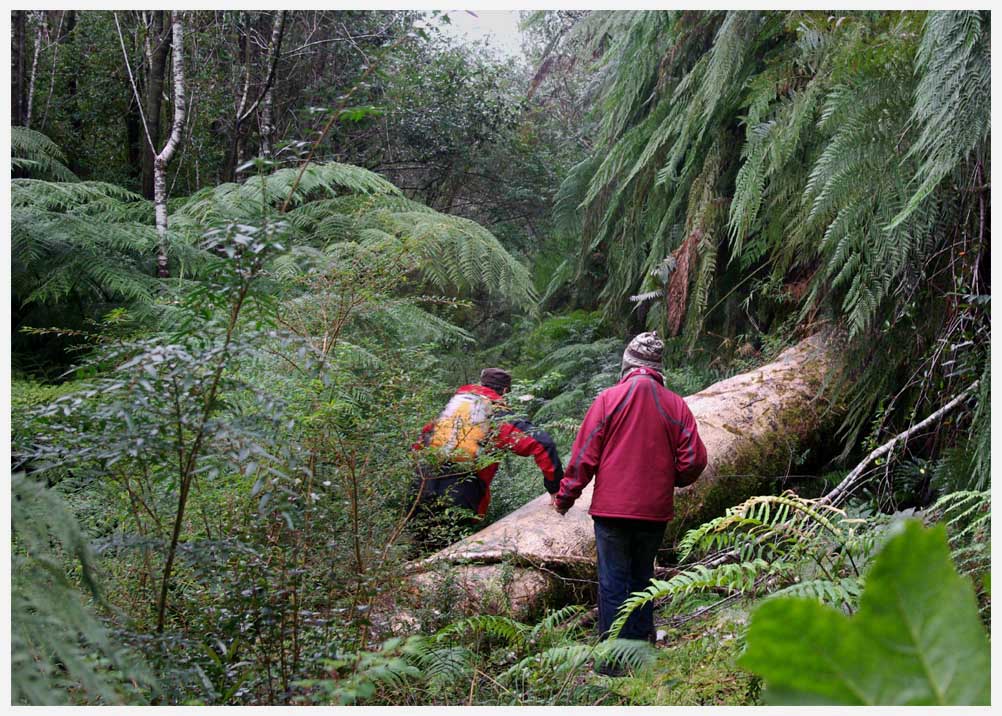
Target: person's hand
x,y
557,508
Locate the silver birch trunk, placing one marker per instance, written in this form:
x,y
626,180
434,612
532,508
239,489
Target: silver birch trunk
x,y
39,18
163,158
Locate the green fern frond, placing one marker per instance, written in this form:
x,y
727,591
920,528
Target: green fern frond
x,y
35,154
514,633
838,593
740,577
762,521
58,646
952,98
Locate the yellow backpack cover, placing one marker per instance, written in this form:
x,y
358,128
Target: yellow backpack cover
x,y
462,426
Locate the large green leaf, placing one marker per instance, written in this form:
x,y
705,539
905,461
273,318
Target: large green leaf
x,y
915,640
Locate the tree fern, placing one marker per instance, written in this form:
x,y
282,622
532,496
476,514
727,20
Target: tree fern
x,y
952,98
60,651
850,125
34,154
337,203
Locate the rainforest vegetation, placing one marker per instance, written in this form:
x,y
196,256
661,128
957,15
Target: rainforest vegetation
x,y
253,252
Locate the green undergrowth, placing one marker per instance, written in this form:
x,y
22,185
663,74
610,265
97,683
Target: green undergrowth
x,y
696,666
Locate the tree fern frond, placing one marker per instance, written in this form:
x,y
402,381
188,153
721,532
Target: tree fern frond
x,y
35,154
54,636
952,97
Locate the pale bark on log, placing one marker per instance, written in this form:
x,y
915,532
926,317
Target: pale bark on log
x,y
752,425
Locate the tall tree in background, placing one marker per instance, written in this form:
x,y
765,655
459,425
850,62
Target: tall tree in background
x,y
162,157
156,46
247,107
17,64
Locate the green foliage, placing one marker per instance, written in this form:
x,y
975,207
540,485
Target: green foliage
x,y
695,665
951,105
61,652
902,646
36,155
850,125
481,659
794,545
332,204
967,517
740,577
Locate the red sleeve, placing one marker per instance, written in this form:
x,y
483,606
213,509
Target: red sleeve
x,y
585,455
524,439
690,460
425,436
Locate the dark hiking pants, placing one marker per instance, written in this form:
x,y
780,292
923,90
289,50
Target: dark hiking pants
x,y
626,551
447,506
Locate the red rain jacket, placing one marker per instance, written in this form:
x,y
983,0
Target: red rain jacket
x,y
639,441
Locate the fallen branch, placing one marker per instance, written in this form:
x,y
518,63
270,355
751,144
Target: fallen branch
x,y
842,490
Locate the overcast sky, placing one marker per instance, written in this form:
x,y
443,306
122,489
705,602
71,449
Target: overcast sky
x,y
500,28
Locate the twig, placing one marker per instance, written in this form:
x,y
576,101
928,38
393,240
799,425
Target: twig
x,y
842,489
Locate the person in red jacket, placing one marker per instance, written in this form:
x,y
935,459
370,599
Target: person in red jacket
x,y
639,442
460,450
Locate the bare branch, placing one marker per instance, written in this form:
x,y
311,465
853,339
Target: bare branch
x,y
841,491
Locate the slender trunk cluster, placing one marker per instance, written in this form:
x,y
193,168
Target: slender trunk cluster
x,y
262,104
39,18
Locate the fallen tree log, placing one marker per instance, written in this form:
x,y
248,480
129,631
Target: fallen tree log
x,y
753,425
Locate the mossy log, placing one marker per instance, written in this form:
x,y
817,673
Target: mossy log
x,y
752,424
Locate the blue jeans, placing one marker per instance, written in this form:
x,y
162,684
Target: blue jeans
x,y
626,551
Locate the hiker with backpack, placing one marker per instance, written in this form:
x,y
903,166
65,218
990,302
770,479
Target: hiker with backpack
x,y
459,457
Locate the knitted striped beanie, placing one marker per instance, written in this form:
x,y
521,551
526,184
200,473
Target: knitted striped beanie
x,y
644,351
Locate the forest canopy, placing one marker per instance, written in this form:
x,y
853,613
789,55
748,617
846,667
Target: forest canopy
x,y
253,252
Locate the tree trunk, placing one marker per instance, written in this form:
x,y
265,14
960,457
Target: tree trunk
x,y
267,122
39,18
17,67
160,46
162,159
267,125
52,74
752,424
71,89
246,108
